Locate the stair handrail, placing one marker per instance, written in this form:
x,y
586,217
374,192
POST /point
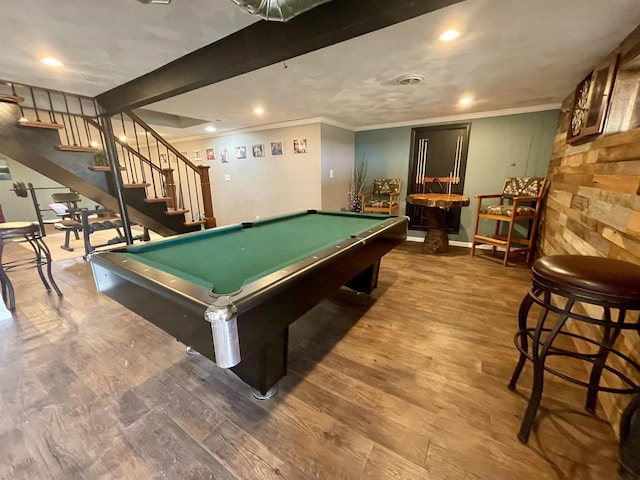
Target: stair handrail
x,y
201,170
161,140
126,146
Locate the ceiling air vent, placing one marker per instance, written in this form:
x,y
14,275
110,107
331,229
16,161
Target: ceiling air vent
x,y
410,79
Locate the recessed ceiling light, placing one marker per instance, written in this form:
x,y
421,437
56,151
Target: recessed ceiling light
x,y
52,62
449,35
465,101
259,111
210,129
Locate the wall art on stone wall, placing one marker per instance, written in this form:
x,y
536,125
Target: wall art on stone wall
x,y
276,148
300,145
258,150
224,158
211,154
241,152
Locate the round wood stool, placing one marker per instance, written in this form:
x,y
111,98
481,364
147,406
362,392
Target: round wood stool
x,y
560,282
30,232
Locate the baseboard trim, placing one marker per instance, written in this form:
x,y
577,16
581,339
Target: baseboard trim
x,y
457,243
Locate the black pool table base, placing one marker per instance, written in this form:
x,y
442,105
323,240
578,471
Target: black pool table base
x,y
254,391
265,307
270,393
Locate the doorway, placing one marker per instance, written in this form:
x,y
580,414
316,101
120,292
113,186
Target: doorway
x,y
437,152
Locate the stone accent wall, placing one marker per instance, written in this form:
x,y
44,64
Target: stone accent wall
x,y
593,205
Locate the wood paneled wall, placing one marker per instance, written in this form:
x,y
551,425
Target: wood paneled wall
x,y
593,205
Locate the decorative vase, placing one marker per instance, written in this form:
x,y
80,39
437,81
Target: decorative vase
x,y
355,203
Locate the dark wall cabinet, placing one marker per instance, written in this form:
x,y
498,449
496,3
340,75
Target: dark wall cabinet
x,y
439,151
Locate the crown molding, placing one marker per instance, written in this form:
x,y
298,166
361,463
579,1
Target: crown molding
x,y
462,117
407,123
270,126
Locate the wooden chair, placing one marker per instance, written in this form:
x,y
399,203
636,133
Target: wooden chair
x,y
384,198
438,184
521,199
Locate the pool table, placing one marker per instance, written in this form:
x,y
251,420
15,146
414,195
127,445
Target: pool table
x,y
273,270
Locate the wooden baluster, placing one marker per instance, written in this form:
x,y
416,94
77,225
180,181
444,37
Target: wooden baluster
x,y
207,202
171,187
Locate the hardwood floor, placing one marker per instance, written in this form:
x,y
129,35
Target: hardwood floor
x,y
409,383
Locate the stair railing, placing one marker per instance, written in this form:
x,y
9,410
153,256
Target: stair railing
x,y
144,157
187,185
53,109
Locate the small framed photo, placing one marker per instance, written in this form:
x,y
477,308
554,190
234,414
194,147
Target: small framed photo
x,y
5,173
276,148
241,152
258,150
163,158
300,145
224,158
185,154
211,154
196,155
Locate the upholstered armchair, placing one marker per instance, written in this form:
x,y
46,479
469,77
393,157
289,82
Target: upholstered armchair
x,y
521,199
384,198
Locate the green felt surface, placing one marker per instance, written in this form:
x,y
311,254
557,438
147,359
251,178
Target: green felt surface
x,y
224,259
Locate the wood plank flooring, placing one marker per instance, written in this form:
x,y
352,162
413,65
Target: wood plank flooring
x,y
409,383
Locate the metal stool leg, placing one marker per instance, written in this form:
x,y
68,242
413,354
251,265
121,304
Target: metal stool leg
x,y
38,260
7,287
608,339
525,306
539,359
47,255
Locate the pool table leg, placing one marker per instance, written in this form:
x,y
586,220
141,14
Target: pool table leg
x,y
262,369
367,280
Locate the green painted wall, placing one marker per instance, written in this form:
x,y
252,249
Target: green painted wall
x,y
499,147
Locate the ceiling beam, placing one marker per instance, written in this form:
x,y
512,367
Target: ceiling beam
x,y
262,44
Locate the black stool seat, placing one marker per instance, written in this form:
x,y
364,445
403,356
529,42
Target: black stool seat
x,y
596,278
560,283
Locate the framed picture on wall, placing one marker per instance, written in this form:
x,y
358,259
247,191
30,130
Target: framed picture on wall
x,y
276,148
5,173
300,145
163,159
196,155
224,158
258,150
211,154
591,102
241,152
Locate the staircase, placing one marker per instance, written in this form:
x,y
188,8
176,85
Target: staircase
x,y
60,136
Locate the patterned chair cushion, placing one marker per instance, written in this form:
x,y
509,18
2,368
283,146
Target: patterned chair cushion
x,y
386,187
507,210
384,192
522,187
380,203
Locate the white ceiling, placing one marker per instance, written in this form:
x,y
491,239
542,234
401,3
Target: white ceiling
x,y
512,54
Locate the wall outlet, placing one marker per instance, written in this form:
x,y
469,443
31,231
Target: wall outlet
x,y
257,217
227,177
331,173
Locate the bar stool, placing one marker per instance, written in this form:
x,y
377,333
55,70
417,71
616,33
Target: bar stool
x,y
30,232
572,279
